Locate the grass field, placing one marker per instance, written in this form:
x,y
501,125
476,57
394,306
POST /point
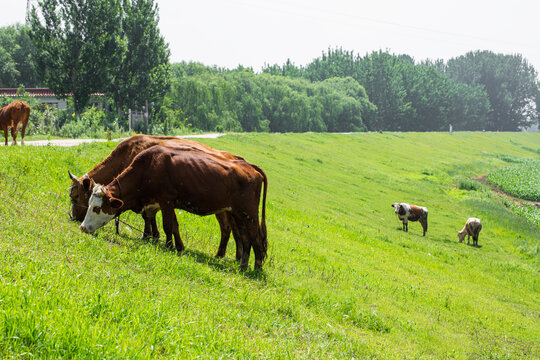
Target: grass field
x,y
341,281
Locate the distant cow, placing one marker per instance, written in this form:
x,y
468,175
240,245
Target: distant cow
x,y
11,117
119,159
472,228
192,180
406,212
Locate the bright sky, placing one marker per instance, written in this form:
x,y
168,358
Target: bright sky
x,y
254,32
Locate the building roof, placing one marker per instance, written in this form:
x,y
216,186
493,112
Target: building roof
x,y
37,92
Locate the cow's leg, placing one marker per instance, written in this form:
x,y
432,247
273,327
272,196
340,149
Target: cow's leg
x,y
225,221
147,229
239,244
14,135
153,225
406,226
240,232
248,228
475,240
6,134
468,237
23,130
170,226
423,222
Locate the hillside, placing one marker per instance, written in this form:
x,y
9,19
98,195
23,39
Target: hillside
x,y
341,281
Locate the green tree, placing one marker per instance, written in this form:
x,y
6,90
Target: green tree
x,y
77,45
16,57
510,83
143,72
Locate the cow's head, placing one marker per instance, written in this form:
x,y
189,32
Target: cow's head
x,y
461,235
102,208
399,209
80,192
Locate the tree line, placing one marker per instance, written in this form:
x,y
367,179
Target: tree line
x,y
80,47
480,90
114,47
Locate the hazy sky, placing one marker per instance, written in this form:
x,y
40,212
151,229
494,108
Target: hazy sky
x,y
254,32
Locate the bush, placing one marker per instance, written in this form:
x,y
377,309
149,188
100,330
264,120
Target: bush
x,y
468,184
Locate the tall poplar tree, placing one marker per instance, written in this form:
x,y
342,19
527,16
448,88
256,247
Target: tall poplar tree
x,y
76,45
143,73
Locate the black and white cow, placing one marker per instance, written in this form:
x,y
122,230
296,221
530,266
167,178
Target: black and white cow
x,y
406,212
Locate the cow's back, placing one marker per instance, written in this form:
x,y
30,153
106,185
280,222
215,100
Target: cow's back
x,y
199,180
12,114
473,226
124,153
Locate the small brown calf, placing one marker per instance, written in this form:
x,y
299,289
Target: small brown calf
x,y
13,115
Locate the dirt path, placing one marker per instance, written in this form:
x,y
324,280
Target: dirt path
x,y
75,142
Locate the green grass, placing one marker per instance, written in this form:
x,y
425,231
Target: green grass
x,y
341,281
521,179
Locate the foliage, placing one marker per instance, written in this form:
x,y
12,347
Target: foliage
x,y
408,96
142,75
342,280
239,100
16,62
529,211
470,185
521,179
77,46
510,83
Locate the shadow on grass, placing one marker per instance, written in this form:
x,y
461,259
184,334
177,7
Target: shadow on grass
x,y
219,264
222,264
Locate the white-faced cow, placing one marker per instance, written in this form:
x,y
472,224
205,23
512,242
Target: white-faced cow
x,y
11,117
408,212
192,180
472,228
119,159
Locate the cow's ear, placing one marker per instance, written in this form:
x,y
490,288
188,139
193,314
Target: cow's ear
x,y
116,203
392,205
88,184
72,177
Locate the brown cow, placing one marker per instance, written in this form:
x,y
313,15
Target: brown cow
x,y
406,212
192,180
11,117
118,160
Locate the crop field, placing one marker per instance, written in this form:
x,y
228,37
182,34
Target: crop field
x,y
521,179
342,280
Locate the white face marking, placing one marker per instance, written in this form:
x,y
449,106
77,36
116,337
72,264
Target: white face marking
x,y
95,216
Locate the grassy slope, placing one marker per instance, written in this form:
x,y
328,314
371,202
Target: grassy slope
x,y
341,280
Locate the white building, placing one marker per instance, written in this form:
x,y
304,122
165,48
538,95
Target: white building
x,y
47,97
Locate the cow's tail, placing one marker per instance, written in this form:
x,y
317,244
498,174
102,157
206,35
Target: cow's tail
x,y
262,226
425,219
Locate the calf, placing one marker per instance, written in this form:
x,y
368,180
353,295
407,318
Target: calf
x,y
13,116
119,159
472,228
192,180
406,212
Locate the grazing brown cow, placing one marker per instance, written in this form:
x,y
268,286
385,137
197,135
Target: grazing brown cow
x,y
406,212
13,116
472,228
119,159
192,180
